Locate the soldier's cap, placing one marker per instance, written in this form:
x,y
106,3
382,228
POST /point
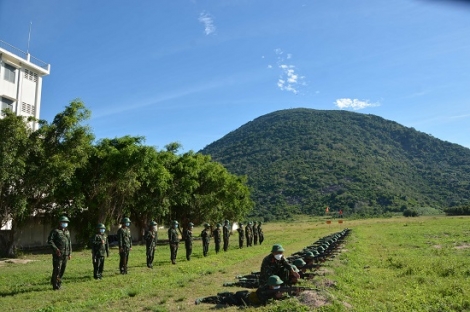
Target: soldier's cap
x,y
299,263
125,220
274,280
277,248
152,223
191,224
64,219
100,226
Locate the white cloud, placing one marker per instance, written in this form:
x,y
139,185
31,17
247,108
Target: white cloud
x,y
289,56
270,66
289,80
208,22
354,104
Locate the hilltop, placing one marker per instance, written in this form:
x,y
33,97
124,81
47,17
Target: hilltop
x,y
302,160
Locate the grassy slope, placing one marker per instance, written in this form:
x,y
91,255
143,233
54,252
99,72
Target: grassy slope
x,y
390,264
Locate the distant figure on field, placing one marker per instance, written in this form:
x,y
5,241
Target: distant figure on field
x,y
151,238
125,244
255,233
173,240
61,244
260,233
100,247
188,240
217,233
241,236
206,237
226,233
249,234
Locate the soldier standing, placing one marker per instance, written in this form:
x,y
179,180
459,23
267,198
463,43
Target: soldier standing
x,y
188,240
241,236
125,244
217,233
174,241
100,247
151,239
226,233
255,233
249,234
260,233
206,236
59,240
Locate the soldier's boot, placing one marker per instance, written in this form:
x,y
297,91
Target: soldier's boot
x,y
173,261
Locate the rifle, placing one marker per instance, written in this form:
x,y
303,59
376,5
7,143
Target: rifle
x,y
290,290
244,282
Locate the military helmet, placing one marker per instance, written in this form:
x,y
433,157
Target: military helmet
x,y
294,268
191,224
100,226
308,255
241,224
152,223
175,222
64,219
277,248
125,220
226,221
274,280
259,223
299,263
207,225
219,225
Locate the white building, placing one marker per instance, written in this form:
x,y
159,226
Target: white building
x,y
21,81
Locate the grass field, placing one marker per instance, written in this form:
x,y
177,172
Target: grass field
x,y
396,264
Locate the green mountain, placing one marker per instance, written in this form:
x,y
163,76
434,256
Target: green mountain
x,y
303,160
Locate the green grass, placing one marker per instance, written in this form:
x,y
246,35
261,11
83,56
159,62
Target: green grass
x,y
394,264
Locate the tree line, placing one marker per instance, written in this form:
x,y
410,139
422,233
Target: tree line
x,y
60,169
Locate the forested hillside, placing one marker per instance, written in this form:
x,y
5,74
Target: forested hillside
x,y
302,160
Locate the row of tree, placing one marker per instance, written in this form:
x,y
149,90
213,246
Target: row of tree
x,y
60,169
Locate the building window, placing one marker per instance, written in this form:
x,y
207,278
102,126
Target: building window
x,y
6,104
28,108
30,75
9,73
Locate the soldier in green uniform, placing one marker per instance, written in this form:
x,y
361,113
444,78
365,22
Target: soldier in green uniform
x,y
206,236
188,240
151,238
226,231
255,233
217,234
249,234
173,240
125,244
241,236
276,264
260,233
61,244
100,247
271,290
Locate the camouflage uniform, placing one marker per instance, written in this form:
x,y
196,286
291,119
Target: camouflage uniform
x,y
255,234
217,234
226,234
260,233
188,240
100,248
125,244
206,236
249,235
241,236
174,241
151,238
61,244
272,266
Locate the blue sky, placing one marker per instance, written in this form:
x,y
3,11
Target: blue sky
x,y
192,71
